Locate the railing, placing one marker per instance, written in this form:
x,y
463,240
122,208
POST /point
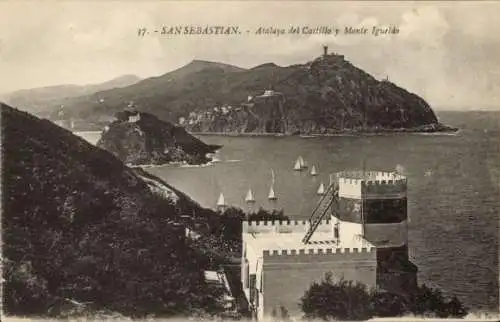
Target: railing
x,y
321,210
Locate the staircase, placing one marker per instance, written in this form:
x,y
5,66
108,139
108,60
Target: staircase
x,y
330,196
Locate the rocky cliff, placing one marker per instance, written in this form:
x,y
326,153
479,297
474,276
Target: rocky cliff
x,y
141,138
80,228
328,95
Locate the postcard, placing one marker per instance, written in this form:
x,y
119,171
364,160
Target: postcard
x,y
250,160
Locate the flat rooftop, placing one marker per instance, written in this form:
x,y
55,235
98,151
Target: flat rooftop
x,y
289,241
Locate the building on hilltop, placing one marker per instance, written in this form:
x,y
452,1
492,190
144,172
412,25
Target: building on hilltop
x,y
267,94
134,118
358,232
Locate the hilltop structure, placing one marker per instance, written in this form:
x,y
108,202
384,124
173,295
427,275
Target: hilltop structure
x,y
357,232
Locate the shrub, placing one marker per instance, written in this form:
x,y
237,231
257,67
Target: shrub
x,y
431,302
344,300
348,300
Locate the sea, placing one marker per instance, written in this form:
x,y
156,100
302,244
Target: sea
x,y
453,190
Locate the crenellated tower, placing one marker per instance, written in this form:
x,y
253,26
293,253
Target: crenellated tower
x,y
358,231
374,206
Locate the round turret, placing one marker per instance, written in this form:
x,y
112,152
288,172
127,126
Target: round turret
x,y
373,204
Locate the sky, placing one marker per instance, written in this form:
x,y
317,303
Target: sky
x,y
446,52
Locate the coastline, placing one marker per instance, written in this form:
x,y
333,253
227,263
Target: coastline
x,y
450,132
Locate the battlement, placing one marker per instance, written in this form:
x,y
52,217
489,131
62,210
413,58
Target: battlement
x,y
383,186
282,227
358,183
358,177
319,251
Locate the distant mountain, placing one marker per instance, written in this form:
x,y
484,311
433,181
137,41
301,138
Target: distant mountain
x,y
46,100
141,138
155,94
328,94
79,228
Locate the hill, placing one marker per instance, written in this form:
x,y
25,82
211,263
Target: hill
x,y
47,100
81,228
326,94
154,94
141,138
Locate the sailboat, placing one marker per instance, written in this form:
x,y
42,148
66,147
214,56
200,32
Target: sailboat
x,y
321,189
303,164
221,202
272,195
300,164
297,166
249,197
314,172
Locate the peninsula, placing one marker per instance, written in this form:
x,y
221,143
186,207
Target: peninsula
x,y
139,138
327,96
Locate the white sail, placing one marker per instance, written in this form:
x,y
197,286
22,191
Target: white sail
x,y
314,172
249,197
301,162
272,195
321,189
221,202
298,165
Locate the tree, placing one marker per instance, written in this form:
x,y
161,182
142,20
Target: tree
x,y
386,304
430,302
455,308
345,300
348,300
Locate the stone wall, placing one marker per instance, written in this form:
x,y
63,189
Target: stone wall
x,y
287,277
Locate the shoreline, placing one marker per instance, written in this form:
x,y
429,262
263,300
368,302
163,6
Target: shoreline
x,y
341,134
447,132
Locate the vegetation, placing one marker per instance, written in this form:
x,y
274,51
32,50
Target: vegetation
x,y
347,300
82,230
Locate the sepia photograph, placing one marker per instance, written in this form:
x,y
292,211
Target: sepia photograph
x,y
250,160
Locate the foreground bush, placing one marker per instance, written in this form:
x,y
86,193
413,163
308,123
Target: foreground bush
x,y
344,300
347,300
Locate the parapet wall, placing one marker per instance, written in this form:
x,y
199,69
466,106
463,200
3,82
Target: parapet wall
x,y
385,186
319,251
371,185
370,175
283,227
